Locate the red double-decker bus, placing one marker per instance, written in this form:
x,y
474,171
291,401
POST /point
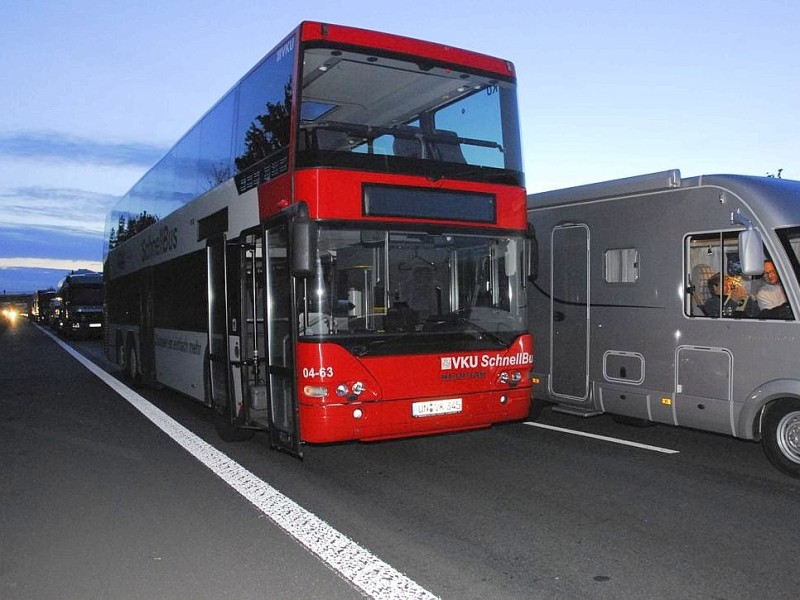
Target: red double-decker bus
x,y
338,249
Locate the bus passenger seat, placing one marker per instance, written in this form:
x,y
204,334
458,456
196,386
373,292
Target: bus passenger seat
x,y
329,139
408,144
447,146
400,317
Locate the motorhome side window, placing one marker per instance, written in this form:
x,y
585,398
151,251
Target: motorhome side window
x,y
622,265
717,288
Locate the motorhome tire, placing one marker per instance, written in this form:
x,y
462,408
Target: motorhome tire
x,y
781,435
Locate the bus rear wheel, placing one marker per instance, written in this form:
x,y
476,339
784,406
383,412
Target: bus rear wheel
x,y
132,364
781,435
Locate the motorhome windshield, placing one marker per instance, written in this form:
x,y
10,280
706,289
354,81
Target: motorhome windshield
x,y
393,115
790,238
381,291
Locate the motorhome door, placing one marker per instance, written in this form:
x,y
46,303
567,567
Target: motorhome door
x,y
569,312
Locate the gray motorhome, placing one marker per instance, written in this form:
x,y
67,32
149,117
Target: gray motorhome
x,y
646,304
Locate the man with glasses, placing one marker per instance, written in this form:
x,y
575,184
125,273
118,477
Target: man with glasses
x,y
770,294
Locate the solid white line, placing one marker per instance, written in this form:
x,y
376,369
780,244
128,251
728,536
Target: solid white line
x,y
604,438
351,561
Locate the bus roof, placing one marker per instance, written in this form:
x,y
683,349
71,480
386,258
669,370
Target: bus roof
x,y
311,30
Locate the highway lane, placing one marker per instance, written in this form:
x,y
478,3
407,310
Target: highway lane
x,y
97,503
511,512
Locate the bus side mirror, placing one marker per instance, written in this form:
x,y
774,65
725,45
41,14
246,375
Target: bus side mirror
x,y
304,243
510,261
751,252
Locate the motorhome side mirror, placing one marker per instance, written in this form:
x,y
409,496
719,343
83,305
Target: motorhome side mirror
x,y
751,252
533,255
304,243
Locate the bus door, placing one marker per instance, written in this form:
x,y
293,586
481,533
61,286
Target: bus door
x,y
252,349
280,360
569,312
224,334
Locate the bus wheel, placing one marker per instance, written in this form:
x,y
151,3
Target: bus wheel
x,y
120,355
132,364
781,435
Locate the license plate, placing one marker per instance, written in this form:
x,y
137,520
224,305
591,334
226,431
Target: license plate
x,y
436,407
95,324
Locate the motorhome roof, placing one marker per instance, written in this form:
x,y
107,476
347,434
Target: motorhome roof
x,y
608,189
777,198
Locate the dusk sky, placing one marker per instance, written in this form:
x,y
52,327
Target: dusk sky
x,y
94,93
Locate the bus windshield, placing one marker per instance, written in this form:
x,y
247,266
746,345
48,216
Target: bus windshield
x,y
387,114
385,291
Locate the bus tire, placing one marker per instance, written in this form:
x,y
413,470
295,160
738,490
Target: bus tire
x,y
132,364
119,356
780,435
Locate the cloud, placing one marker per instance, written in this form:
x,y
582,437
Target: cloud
x,y
50,242
36,257
61,264
58,208
21,280
51,145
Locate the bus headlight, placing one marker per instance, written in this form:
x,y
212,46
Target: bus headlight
x,y
511,379
351,393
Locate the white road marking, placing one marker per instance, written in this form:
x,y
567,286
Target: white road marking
x,y
355,564
604,438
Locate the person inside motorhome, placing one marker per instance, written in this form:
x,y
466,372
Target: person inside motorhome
x,y
770,294
736,302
